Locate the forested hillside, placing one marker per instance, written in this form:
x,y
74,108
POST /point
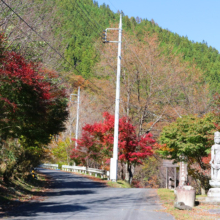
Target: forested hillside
x,y
82,22
76,26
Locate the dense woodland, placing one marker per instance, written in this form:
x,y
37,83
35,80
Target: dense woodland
x,y
163,77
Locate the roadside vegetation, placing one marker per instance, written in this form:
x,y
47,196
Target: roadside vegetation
x,y
119,184
22,191
33,109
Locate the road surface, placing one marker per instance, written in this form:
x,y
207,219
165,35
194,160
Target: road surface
x,y
77,197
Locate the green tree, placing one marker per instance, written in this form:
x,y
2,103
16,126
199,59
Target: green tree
x,y
189,136
61,150
189,139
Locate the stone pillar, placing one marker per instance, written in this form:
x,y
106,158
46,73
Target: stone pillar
x,y
166,178
174,177
183,174
214,192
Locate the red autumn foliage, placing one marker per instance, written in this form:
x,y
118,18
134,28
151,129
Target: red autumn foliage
x,y
32,104
207,159
96,142
15,68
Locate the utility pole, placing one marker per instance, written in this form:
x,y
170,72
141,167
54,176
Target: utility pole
x,y
77,117
114,160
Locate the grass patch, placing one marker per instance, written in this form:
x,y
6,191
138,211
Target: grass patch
x,y
199,212
118,184
201,196
166,195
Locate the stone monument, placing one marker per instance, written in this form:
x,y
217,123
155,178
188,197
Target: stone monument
x,y
185,194
183,174
214,192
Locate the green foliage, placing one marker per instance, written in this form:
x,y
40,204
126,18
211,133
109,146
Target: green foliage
x,y
190,139
18,157
148,175
76,21
61,151
189,136
60,164
32,52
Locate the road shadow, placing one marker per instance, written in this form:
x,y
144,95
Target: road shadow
x,y
34,209
61,184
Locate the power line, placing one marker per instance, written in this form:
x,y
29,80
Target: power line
x,y
97,27
54,48
113,5
88,17
35,31
44,50
87,14
49,44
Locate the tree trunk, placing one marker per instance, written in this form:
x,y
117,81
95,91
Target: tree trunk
x,y
129,173
122,171
126,173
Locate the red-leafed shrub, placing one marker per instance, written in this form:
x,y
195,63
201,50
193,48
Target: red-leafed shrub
x,y
96,143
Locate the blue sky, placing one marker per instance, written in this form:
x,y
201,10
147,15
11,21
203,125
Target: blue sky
x,y
198,19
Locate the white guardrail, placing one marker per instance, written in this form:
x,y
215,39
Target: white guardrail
x,y
49,166
86,170
79,169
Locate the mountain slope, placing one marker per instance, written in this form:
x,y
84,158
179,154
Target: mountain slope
x,y
74,28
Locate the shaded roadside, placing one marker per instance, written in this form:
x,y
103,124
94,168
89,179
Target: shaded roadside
x,y
19,192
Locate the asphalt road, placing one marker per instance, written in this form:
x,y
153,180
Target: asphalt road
x,y
76,197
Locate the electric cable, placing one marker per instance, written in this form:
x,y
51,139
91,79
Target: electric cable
x,y
48,44
113,5
35,31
